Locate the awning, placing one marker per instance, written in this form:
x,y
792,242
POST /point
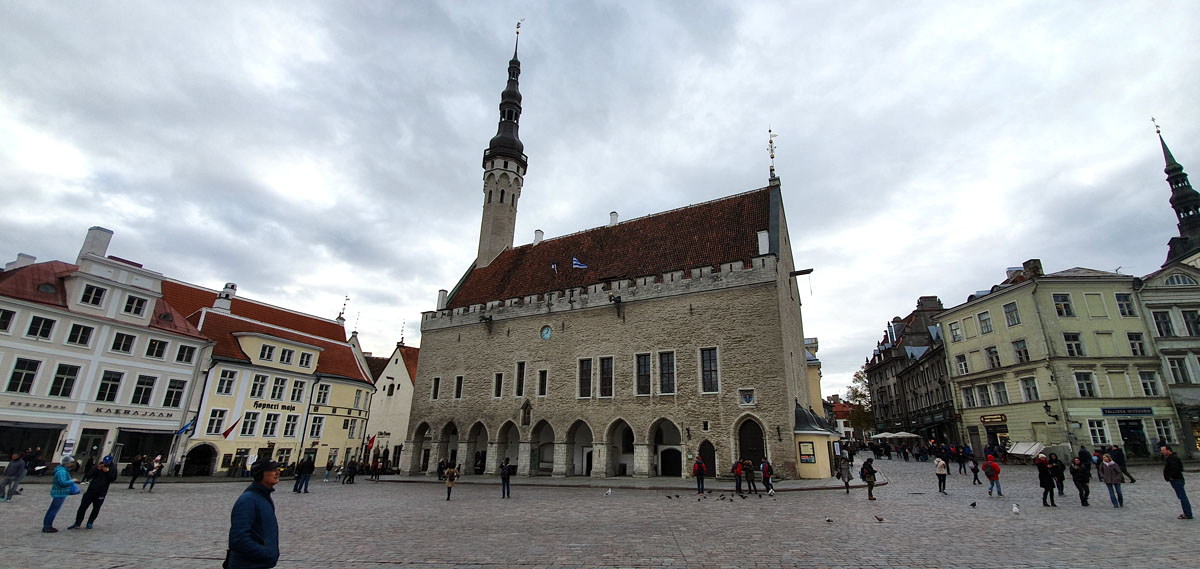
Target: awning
x,y
1026,449
146,431
30,425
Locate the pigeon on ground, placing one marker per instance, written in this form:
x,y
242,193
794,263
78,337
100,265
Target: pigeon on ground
x,y
760,496
708,492
743,496
973,504
1016,510
722,498
608,492
830,520
668,497
697,499
677,495
878,519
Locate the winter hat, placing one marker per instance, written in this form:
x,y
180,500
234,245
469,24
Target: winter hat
x,y
107,459
66,459
990,457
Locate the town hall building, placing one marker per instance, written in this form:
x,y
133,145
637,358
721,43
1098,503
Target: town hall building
x,y
623,350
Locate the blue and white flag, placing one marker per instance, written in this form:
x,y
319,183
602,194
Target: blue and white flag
x,y
554,266
578,265
186,427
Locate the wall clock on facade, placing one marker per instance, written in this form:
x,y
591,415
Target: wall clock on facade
x,y
546,331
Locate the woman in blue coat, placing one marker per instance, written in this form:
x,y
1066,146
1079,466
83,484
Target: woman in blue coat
x,y
59,490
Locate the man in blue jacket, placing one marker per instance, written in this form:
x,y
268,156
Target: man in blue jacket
x,y
253,529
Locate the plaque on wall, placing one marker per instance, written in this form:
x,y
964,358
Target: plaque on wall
x,y
808,453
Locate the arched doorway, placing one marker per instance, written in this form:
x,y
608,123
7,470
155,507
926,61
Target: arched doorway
x,y
448,445
477,440
709,454
751,444
579,449
668,449
420,449
620,449
507,444
541,442
200,461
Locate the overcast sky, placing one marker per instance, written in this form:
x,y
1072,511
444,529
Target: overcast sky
x,y
311,151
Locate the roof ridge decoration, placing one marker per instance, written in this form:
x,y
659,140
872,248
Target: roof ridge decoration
x,y
209,310
253,301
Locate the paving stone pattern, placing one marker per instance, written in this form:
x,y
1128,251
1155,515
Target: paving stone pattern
x,y
412,525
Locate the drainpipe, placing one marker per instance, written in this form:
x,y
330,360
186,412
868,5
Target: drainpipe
x,y
1066,416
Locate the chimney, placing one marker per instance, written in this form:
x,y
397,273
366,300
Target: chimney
x,y
1033,268
224,300
443,296
537,236
1012,272
96,242
23,260
612,218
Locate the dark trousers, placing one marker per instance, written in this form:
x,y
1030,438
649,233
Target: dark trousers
x,y
767,484
1058,482
700,484
505,488
737,483
135,476
88,500
1084,492
1125,471
750,487
448,489
941,482
1048,493
1181,493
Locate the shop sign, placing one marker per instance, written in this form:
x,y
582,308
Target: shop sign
x,y
1109,411
808,453
132,412
280,406
1000,418
38,405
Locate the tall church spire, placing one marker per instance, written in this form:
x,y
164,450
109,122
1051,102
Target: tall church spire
x,y
1186,203
504,165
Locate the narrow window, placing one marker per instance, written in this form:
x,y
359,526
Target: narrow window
x,y
266,353
1029,388
585,378
270,424
543,381
6,319
1165,430
298,391
1085,384
961,361
225,383
286,355
277,388
1098,431
993,357
1012,316
520,389
955,332
1162,324
1074,344
1020,351
1149,383
437,385
1179,370
985,323
666,373
458,387
1191,321
606,377
323,394
709,377
643,374
305,359
498,385
185,355
290,424
317,427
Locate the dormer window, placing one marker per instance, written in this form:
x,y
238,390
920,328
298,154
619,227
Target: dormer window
x,y
47,288
286,355
305,359
135,305
92,295
1180,280
266,353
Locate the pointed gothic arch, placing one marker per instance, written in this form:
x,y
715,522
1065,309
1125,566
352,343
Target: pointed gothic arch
x,y
477,446
541,446
666,449
421,449
508,441
619,440
579,449
708,453
447,444
751,437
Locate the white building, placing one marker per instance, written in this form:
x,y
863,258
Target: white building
x,y
392,403
96,362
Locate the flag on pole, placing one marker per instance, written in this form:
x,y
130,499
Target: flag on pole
x,y
186,427
577,264
230,429
554,266
371,443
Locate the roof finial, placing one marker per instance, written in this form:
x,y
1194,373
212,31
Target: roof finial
x,y
771,149
342,314
517,43
402,323
1157,129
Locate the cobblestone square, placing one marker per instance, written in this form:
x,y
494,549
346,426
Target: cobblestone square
x,y
412,525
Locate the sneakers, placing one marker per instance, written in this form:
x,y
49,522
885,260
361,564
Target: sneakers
x,y
73,526
989,492
49,530
89,526
1184,517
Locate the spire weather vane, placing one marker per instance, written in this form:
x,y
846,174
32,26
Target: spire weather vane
x,y
519,25
343,312
1157,129
771,149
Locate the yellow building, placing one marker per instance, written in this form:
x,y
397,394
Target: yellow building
x,y
1064,359
281,384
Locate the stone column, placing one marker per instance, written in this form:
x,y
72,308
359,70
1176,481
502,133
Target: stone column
x,y
560,459
467,459
493,459
525,466
600,460
409,465
641,460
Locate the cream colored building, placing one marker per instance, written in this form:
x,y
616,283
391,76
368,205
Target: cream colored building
x,y
96,361
280,384
1064,359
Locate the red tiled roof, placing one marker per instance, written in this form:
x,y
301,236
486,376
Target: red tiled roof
x,y
189,299
337,358
23,283
410,355
701,235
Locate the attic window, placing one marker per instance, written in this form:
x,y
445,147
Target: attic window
x,y
166,316
47,288
1173,280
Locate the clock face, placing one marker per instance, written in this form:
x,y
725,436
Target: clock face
x,y
546,332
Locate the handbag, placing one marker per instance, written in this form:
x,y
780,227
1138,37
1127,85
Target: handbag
x,y
74,488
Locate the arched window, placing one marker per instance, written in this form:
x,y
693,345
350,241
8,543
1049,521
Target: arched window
x,y
501,196
489,196
1180,280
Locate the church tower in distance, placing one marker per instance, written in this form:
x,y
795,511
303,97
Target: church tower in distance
x,y
1186,203
504,166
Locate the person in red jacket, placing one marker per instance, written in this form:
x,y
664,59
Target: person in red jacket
x,y
698,471
737,476
992,471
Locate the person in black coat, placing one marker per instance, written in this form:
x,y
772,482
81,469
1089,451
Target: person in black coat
x,y
1118,457
1081,474
101,476
1057,471
253,527
1045,479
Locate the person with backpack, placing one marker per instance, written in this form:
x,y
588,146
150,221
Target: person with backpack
x,y
506,472
992,471
698,471
451,474
974,467
765,468
867,473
